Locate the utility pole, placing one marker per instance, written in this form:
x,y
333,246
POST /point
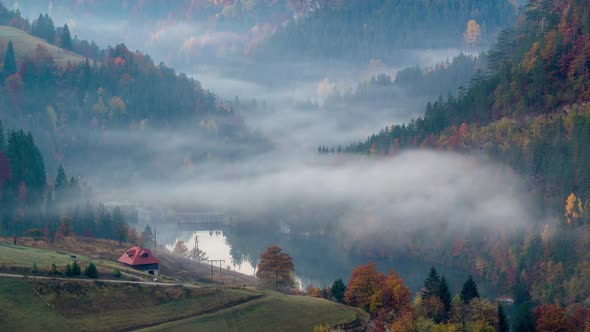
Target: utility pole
x,y
155,238
196,250
212,261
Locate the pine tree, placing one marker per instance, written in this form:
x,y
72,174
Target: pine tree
x,y
503,325
444,294
66,39
76,270
431,284
61,181
9,61
91,271
338,290
2,138
469,291
525,322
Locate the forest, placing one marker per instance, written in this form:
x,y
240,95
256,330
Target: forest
x,y
529,110
33,205
362,30
69,109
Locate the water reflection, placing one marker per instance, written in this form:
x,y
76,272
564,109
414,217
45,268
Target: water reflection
x,y
319,260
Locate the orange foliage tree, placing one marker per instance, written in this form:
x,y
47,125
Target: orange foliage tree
x,y
552,318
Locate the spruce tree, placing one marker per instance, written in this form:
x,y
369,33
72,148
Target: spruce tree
x,y
61,180
9,61
338,290
503,325
444,294
525,322
91,271
469,291
2,138
431,284
66,39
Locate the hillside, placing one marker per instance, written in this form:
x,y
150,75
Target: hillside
x,y
25,45
530,111
61,305
362,30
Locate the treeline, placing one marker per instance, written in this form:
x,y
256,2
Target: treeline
x,y
68,109
30,205
44,28
362,30
440,80
390,303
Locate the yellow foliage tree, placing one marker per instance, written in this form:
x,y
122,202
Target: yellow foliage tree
x,y
574,210
472,33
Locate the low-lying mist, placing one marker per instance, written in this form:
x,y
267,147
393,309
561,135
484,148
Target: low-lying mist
x,y
364,199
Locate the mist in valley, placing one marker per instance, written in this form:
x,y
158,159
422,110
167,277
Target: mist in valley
x,y
274,179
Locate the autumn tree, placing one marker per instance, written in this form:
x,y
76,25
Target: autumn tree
x,y
364,286
396,298
552,318
66,226
180,248
338,290
276,268
472,34
574,210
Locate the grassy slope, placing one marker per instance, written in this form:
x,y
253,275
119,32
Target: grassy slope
x,y
107,307
20,259
274,312
23,310
25,45
104,251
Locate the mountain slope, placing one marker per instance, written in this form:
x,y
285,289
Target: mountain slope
x,y
368,29
25,45
523,111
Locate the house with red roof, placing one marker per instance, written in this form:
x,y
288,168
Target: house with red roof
x,y
140,259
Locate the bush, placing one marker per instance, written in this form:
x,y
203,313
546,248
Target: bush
x,y
116,273
69,272
53,270
34,270
91,271
76,270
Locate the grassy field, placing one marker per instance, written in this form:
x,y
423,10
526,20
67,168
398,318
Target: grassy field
x,y
25,45
23,310
20,259
105,252
29,305
273,312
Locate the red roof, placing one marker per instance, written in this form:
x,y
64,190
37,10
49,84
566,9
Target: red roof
x,y
138,256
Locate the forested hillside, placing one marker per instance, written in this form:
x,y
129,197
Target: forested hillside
x,y
529,110
362,30
69,108
34,203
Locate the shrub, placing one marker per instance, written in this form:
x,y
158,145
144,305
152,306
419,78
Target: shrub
x,y
116,273
34,270
76,270
53,270
91,271
69,272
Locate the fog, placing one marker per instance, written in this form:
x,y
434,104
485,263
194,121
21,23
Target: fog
x,y
286,182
